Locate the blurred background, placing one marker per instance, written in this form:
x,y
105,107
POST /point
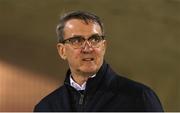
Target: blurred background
x,y
143,45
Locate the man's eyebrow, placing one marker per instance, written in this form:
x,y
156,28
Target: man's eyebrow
x,y
96,34
75,36
84,36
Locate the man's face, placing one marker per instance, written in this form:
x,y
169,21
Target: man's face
x,y
85,60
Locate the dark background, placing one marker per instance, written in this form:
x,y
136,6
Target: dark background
x,y
143,45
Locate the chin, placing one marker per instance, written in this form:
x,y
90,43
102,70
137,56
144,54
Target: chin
x,y
89,70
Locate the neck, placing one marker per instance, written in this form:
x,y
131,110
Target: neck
x,y
79,79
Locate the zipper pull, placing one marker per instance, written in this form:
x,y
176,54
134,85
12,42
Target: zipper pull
x,y
81,99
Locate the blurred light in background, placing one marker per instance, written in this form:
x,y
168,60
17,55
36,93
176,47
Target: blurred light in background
x,y
21,89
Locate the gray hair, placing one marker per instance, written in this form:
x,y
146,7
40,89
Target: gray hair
x,y
82,15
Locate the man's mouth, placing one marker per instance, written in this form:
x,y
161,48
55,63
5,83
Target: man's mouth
x,y
88,59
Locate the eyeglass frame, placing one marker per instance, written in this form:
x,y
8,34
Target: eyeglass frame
x,y
83,39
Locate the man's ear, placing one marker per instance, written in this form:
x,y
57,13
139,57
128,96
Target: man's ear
x,y
105,44
61,50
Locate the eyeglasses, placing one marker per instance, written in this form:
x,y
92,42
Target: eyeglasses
x,y
78,41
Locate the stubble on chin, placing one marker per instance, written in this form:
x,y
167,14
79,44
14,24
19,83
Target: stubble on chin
x,y
87,73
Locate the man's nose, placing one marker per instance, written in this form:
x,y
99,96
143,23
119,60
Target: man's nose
x,y
87,47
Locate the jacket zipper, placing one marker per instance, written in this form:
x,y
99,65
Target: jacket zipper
x,y
81,99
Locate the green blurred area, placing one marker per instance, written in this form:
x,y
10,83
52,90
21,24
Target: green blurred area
x,y
143,39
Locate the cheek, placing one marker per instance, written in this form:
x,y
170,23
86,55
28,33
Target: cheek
x,y
100,54
73,55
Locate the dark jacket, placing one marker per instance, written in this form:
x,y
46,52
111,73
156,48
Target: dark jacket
x,y
107,91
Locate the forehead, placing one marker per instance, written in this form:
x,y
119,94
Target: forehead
x,y
80,27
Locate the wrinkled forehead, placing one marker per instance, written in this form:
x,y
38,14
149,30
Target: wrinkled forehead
x,y
80,27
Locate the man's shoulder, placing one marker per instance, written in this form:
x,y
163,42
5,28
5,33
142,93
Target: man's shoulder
x,y
55,94
128,86
120,82
134,93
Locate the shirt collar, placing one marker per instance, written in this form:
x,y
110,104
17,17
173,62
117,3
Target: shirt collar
x,y
76,85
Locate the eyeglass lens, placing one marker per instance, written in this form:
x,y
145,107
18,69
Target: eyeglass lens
x,y
78,41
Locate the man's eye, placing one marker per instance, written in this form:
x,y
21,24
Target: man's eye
x,y
95,39
76,40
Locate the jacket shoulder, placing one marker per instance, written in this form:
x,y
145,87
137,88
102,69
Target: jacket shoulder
x,y
144,97
128,86
119,82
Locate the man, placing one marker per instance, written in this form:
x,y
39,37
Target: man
x,y
90,83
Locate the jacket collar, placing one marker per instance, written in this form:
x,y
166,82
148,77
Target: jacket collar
x,y
92,83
